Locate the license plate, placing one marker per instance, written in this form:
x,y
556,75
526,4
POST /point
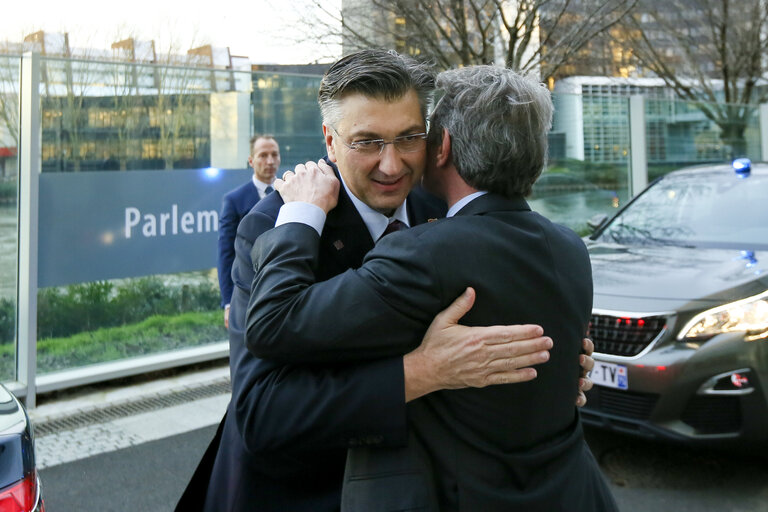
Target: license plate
x,y
610,375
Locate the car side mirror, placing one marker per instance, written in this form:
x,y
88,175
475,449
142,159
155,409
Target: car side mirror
x,y
596,221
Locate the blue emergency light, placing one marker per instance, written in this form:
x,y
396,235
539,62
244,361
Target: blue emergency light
x,y
742,167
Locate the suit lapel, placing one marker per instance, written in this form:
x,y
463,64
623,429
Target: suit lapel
x,y
345,239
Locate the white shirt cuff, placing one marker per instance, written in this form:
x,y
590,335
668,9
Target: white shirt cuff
x,y
303,213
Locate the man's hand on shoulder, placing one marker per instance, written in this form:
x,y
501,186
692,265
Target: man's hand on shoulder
x,y
312,183
454,356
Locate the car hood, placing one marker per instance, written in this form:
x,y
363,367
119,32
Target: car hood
x,y
673,276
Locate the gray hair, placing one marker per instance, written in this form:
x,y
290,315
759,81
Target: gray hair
x,y
374,73
498,121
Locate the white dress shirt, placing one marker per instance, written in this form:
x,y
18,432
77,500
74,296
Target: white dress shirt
x,y
314,216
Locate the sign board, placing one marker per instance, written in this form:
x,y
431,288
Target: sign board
x,y
107,225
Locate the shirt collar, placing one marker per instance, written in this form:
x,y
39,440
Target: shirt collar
x,y
464,201
260,185
376,222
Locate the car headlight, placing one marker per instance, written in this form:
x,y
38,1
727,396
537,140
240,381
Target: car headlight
x,y
748,315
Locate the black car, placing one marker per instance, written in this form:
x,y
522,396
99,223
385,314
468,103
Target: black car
x,y
680,319
19,482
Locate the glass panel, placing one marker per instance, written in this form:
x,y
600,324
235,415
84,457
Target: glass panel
x,y
94,322
147,119
116,116
286,107
684,133
587,172
9,142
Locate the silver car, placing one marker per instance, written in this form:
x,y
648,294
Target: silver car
x,y
680,319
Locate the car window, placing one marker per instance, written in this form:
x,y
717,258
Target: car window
x,y
698,210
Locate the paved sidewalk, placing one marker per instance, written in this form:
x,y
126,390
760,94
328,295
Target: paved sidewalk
x,y
110,419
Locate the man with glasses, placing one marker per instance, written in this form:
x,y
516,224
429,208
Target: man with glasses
x,y
287,429
496,449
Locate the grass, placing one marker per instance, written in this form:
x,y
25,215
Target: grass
x,y
159,333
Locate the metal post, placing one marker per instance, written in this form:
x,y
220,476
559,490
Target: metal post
x,y
638,169
29,175
763,116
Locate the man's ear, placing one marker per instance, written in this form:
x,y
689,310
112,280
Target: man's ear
x,y
328,134
443,156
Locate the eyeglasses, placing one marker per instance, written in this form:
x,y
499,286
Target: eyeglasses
x,y
404,144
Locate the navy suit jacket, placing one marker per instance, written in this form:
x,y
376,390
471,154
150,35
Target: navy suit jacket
x,y
496,449
284,439
234,206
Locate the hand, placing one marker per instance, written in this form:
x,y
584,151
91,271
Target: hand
x,y
453,356
587,363
312,183
226,316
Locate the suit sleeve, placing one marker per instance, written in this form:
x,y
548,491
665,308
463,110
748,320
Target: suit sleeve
x,y
380,310
283,407
228,220
289,407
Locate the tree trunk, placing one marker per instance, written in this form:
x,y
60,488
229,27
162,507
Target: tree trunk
x,y
732,136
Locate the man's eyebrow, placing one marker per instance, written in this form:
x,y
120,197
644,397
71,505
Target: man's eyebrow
x,y
364,134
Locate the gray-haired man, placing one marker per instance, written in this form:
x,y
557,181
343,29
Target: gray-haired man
x,y
284,440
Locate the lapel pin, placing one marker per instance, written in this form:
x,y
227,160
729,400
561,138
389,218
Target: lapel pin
x,y
431,220
338,244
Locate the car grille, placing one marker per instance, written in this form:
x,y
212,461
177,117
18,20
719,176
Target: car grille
x,y
624,336
713,414
626,404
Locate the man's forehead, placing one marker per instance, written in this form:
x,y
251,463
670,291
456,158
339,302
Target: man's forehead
x,y
265,144
382,97
366,113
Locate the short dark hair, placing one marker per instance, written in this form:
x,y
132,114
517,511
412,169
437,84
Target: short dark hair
x,y
498,121
374,73
258,136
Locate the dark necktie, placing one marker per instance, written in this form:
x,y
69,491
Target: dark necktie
x,y
268,190
393,226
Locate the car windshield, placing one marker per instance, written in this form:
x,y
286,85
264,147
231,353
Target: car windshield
x,y
696,210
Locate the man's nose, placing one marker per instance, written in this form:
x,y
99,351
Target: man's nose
x,y
390,160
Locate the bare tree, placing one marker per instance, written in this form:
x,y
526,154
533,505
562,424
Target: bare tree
x,y
9,99
162,94
117,108
708,51
528,35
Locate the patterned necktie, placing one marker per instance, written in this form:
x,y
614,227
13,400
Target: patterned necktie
x,y
393,226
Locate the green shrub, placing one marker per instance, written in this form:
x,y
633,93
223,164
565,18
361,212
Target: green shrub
x,y
96,322
610,176
7,320
7,192
80,307
90,306
152,335
141,298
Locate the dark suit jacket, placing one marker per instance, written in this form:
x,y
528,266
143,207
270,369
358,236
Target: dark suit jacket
x,y
501,448
287,429
234,206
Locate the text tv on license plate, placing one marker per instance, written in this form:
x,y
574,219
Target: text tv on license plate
x,y
610,375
